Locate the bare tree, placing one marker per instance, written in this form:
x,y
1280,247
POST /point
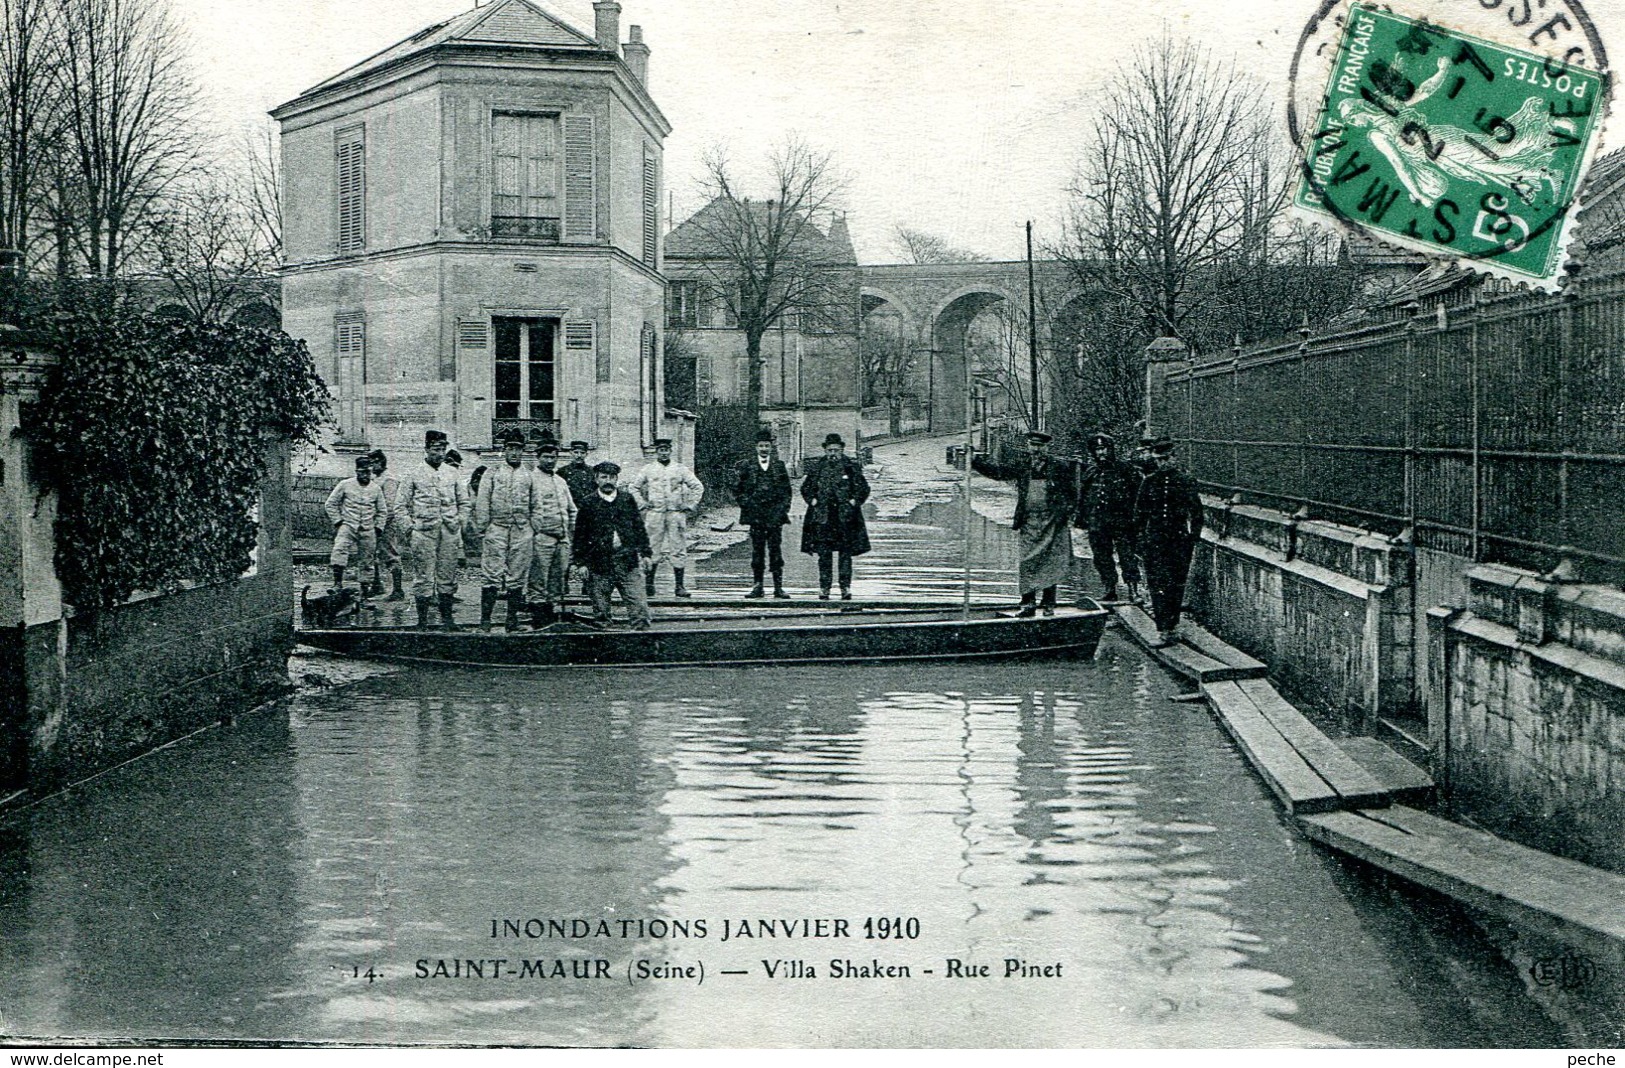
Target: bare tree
x,y
127,104
262,190
206,242
26,118
766,259
889,360
918,246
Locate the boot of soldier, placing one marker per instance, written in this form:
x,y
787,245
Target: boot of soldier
x,y
488,603
446,620
649,582
423,613
681,590
516,600
756,593
778,586
396,594
1134,593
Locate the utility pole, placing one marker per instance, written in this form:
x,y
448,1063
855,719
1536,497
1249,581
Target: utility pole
x,y
1032,331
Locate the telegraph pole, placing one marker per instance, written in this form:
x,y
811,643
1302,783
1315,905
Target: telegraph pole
x,y
1032,331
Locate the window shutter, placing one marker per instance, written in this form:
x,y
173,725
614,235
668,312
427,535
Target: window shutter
x,y
580,179
651,209
581,339
472,335
350,157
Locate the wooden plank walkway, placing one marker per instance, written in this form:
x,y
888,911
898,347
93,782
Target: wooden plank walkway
x,y
1289,777
1562,898
1200,658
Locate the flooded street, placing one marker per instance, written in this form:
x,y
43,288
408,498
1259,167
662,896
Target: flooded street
x,y
711,858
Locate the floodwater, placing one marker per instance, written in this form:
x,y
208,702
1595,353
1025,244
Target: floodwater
x,y
949,854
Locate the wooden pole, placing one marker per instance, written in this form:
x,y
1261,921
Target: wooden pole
x,y
1032,332
970,514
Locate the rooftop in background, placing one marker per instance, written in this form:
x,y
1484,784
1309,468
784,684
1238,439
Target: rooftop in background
x,y
831,245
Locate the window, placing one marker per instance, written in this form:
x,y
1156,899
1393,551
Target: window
x,y
524,374
524,176
651,209
649,382
350,157
683,303
350,374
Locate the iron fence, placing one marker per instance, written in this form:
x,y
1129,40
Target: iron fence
x,y
1489,422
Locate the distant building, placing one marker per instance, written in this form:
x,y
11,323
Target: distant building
x,y
472,234
811,379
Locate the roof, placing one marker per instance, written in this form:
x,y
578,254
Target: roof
x,y
687,240
503,24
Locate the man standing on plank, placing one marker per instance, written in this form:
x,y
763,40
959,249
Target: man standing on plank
x,y
504,509
394,537
669,495
358,511
762,490
612,543
435,502
554,525
1168,522
1046,494
834,490
1106,499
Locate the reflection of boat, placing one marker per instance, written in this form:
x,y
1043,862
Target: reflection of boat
x,y
717,633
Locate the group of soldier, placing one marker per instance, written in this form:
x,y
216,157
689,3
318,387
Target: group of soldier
x,y
540,525
1141,510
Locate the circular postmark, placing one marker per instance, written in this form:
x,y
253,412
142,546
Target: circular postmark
x,y
1461,129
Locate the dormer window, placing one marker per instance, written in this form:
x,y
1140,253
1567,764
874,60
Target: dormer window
x,y
525,176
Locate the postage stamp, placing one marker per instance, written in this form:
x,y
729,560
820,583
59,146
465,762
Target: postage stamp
x,y
1448,144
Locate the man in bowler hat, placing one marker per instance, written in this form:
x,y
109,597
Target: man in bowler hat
x,y
762,490
834,490
611,543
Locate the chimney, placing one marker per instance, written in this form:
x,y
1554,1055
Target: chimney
x,y
637,56
608,14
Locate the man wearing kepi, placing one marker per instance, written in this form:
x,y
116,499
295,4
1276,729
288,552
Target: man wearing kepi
x,y
1167,522
834,490
504,509
1106,497
577,474
1046,493
358,511
668,494
436,503
554,524
762,489
612,543
395,535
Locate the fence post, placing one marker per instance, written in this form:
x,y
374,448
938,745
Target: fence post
x,y
1412,324
1160,357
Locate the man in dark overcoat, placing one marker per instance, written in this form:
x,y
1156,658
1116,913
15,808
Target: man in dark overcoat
x,y
834,490
1106,496
1046,494
612,543
1167,522
762,490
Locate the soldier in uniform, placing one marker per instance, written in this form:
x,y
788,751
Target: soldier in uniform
x,y
554,525
1106,497
1167,523
577,474
762,489
504,509
668,495
435,502
834,490
1046,494
394,537
358,511
612,543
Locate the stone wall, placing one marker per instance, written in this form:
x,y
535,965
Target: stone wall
x,y
1531,678
1326,606
82,692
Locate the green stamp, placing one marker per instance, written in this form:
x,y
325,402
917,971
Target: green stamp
x,y
1451,145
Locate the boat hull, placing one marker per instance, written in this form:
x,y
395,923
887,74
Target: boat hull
x,y
898,633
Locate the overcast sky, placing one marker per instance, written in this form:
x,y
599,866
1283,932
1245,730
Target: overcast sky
x,y
960,118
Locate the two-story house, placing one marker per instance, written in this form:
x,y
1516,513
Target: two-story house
x,y
472,233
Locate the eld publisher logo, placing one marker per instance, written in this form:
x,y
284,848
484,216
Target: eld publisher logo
x,y
1568,971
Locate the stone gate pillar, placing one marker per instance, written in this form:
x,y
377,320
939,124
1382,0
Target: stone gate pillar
x,y
1162,357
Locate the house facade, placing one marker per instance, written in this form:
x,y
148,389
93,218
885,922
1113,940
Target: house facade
x,y
811,377
472,235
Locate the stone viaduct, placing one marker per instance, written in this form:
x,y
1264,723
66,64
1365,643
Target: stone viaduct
x,y
936,303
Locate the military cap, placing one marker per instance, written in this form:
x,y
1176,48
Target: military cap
x,y
662,443
547,447
454,458
1162,447
579,444
1040,436
432,436
512,436
364,462
1097,440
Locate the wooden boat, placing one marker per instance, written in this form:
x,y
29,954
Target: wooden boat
x,y
713,633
